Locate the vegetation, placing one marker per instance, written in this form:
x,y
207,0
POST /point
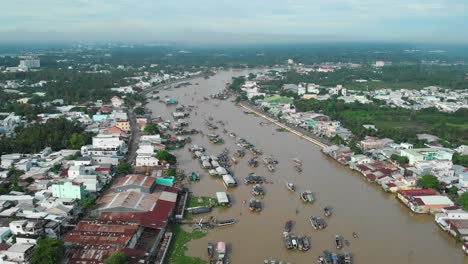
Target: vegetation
x,y
88,202
171,172
194,201
237,83
123,169
48,251
118,257
400,124
176,252
429,182
460,159
56,133
463,200
401,160
151,129
166,157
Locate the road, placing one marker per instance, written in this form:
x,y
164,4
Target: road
x,y
134,138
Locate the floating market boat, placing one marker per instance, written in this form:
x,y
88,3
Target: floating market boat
x,y
347,258
255,205
290,186
257,190
338,242
305,243
287,240
288,226
317,223
327,255
225,222
271,167
233,135
221,249
297,161
210,250
307,196
327,211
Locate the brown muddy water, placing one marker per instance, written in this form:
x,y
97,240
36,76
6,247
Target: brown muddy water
x,y
388,231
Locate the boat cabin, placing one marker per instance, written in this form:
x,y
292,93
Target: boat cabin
x,y
223,199
229,181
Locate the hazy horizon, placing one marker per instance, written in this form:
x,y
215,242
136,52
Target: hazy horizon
x,y
216,22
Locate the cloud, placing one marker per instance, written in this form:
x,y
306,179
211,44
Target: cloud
x,y
163,19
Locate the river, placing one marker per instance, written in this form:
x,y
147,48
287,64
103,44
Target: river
x,y
388,231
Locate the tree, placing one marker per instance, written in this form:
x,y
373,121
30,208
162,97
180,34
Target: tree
x,y
165,156
76,141
401,160
118,257
463,200
88,202
460,159
429,182
139,110
29,180
151,129
171,172
123,169
453,191
48,251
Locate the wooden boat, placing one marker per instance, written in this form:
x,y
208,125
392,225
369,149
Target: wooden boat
x,y
327,255
194,177
225,222
327,211
288,226
257,190
307,196
210,250
334,257
347,258
300,245
298,168
290,186
221,249
271,168
255,205
321,260
287,240
294,242
305,243
317,223
338,242
297,161
233,135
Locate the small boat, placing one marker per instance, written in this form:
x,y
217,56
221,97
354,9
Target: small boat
x,y
321,260
305,243
287,240
347,258
221,249
297,161
233,135
317,223
212,135
327,211
294,242
338,242
334,257
271,167
290,186
298,168
255,205
327,255
307,196
300,245
288,226
257,190
225,222
210,250
194,177
355,235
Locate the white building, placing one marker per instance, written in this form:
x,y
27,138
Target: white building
x,y
30,63
379,63
117,101
146,160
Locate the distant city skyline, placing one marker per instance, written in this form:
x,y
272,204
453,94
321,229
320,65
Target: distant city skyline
x,y
242,21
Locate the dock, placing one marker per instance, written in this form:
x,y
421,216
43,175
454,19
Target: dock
x,y
287,128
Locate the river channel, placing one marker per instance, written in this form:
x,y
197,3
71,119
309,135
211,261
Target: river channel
x,y
388,231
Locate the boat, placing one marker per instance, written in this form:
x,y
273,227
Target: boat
x,y
255,205
194,177
288,226
347,258
338,242
317,223
225,222
305,243
334,257
290,186
307,196
271,167
300,246
257,190
321,260
327,255
287,240
297,161
221,249
212,135
210,250
201,210
294,242
298,168
327,211
233,135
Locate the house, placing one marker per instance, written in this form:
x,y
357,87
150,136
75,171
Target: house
x,y
458,228
141,183
369,143
117,102
450,213
428,138
424,201
68,189
123,125
17,253
425,154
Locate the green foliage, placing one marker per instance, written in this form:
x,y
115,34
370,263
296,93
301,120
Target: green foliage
x,y
88,202
401,160
139,111
453,191
118,257
237,83
337,140
463,200
176,252
460,159
123,169
165,156
48,251
29,180
151,129
56,133
400,124
171,172
428,182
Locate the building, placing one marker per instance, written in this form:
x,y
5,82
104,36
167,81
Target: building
x,y
123,124
117,102
369,143
424,201
379,63
141,183
450,213
17,253
30,63
425,154
69,190
146,160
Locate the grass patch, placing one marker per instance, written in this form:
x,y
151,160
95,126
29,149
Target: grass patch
x,y
193,201
176,252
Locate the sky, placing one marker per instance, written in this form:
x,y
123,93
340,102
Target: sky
x,y
238,21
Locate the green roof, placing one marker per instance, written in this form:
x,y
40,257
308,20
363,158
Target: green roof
x,y
276,99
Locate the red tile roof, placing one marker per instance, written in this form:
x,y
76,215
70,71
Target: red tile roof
x,y
427,192
135,180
